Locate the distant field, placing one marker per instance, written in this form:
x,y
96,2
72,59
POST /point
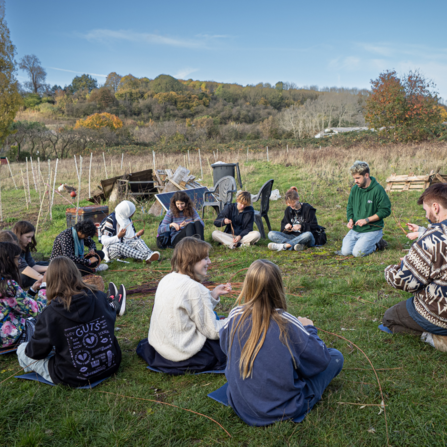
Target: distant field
x,y
344,296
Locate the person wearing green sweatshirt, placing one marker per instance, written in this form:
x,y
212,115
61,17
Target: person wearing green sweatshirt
x,y
368,205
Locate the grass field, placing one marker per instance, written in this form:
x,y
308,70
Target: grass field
x,y
343,296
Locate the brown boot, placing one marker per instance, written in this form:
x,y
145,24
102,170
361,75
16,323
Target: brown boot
x,y
440,342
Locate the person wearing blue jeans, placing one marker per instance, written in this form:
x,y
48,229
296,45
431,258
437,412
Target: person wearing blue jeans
x,y
368,206
360,244
306,239
299,226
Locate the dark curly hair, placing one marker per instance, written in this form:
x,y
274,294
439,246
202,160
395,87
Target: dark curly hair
x,y
23,227
8,268
181,196
86,227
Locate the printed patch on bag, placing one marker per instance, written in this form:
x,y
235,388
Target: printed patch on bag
x,y
91,347
370,201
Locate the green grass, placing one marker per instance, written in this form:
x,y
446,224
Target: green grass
x,y
343,296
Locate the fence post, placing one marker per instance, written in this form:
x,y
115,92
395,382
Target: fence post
x,y
105,167
267,154
79,188
200,161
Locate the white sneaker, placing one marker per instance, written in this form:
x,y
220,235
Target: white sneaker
x,y
154,256
276,247
102,267
427,337
299,247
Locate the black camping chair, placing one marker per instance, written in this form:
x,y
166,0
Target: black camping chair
x,y
222,194
264,195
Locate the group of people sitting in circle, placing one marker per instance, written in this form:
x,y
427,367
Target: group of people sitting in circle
x,y
64,327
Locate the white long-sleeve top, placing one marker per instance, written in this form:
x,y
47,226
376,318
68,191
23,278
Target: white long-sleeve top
x,y
182,318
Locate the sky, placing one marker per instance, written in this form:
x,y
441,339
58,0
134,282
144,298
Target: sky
x,y
324,43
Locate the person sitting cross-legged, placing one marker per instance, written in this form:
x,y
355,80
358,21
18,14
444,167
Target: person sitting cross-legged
x,y
368,205
182,220
278,367
299,226
238,220
120,239
423,272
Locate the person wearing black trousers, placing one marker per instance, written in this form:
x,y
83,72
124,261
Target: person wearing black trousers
x,y
182,220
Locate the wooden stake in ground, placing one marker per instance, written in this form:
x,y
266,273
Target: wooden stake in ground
x,y
189,161
201,170
122,159
90,174
40,211
79,188
267,154
10,171
105,167
34,178
153,159
54,187
287,148
24,189
247,153
27,181
76,165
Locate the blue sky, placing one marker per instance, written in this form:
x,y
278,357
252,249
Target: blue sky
x,y
322,43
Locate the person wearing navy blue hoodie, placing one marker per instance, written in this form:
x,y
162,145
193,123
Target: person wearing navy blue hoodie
x,y
73,342
277,366
238,220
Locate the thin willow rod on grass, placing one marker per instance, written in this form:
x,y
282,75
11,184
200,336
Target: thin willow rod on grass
x,y
377,378
170,405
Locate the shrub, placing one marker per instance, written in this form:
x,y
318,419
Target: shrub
x,y
99,121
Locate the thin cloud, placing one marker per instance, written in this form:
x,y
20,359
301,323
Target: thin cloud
x,y
78,72
349,63
181,74
106,35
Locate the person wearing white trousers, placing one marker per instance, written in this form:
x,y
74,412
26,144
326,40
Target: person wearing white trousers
x,y
119,238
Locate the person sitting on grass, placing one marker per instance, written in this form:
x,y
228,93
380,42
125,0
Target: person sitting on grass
x,y
30,270
70,243
74,342
182,220
184,329
238,219
119,238
278,367
368,205
299,226
423,272
16,306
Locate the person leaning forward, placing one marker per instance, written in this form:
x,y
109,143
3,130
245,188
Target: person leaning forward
x,y
368,205
238,220
423,272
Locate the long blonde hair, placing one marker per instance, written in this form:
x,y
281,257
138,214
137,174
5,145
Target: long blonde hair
x,y
262,294
64,280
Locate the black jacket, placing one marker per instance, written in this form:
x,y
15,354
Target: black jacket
x,y
83,338
64,246
305,217
242,222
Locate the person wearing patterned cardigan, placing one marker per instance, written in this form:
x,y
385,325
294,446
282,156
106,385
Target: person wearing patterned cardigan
x,y
423,272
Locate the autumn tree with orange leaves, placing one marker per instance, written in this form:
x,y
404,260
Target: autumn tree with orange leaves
x,y
407,108
99,121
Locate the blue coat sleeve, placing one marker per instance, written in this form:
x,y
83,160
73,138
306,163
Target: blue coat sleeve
x,y
314,358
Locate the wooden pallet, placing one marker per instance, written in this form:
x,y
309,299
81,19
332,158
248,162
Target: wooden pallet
x,y
411,182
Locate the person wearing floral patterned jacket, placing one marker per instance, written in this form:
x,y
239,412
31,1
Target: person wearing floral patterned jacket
x,y
16,305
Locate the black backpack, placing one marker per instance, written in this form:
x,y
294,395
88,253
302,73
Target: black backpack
x,y
320,235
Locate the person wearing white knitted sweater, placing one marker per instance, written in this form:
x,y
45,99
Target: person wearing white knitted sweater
x,y
184,329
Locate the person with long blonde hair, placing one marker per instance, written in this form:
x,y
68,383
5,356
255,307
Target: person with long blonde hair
x,y
184,329
277,366
74,342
